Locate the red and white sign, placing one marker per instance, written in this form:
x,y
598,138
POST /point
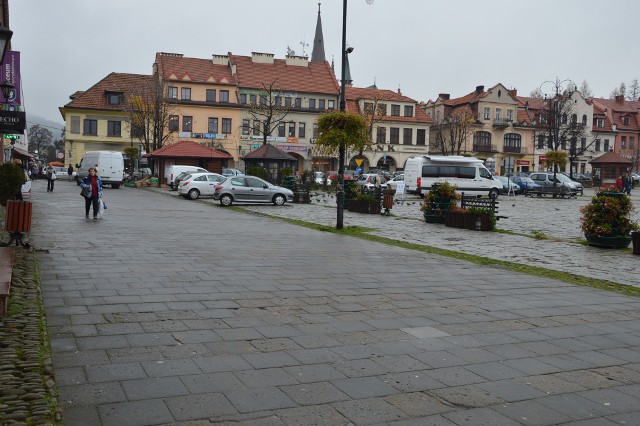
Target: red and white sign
x,y
541,159
522,162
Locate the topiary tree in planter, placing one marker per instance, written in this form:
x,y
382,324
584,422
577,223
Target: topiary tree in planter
x,y
11,180
606,221
438,201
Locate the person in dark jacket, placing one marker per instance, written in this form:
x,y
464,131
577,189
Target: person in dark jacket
x,y
94,184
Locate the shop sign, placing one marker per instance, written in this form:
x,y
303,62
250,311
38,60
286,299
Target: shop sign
x,y
541,159
12,122
522,162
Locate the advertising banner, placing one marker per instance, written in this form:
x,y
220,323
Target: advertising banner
x,y
11,74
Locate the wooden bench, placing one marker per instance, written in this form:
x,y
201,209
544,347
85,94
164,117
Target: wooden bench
x,y
7,259
468,201
555,191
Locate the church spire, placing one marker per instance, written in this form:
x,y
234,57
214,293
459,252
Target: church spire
x,y
317,55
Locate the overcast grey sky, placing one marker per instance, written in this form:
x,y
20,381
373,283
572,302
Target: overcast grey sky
x,y
424,47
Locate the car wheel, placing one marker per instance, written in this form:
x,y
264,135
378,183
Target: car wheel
x,y
493,193
226,200
194,194
279,200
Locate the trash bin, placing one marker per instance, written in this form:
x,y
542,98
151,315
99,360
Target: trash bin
x,y
635,240
18,221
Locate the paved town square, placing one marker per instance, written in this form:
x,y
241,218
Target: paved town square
x,y
168,311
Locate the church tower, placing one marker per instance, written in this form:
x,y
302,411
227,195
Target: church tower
x,y
317,55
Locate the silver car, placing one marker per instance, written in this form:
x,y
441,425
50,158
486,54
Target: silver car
x,y
250,189
198,185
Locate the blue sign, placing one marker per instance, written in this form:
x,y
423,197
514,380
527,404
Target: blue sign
x,y
359,170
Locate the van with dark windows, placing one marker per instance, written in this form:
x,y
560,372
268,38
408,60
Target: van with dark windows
x,y
467,174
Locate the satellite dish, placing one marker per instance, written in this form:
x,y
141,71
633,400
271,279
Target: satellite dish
x,y
369,1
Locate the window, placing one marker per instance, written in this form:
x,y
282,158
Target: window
x,y
623,142
597,145
331,104
312,103
315,130
382,109
243,98
368,108
252,99
113,128
584,119
277,101
487,113
224,96
564,118
541,142
137,131
172,92
292,130
185,93
212,126
394,135
395,110
563,143
407,136
287,102
510,114
298,103
549,143
90,127
632,142
75,125
245,126
211,95
421,137
625,121
114,98
512,140
256,127
226,124
301,130
574,118
583,144
320,103
606,145
381,135
263,99
408,111
599,122
187,123
173,123
482,138
281,130
498,114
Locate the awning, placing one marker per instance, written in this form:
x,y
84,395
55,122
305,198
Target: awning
x,y
22,153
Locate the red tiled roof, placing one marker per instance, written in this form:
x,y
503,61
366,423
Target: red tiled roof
x,y
354,94
187,149
270,152
611,157
94,97
317,77
175,67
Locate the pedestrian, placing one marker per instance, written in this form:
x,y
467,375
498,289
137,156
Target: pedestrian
x,y
51,177
93,184
34,172
70,171
25,179
619,183
628,184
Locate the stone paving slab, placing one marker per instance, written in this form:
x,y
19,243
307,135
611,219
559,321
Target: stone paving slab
x,y
297,309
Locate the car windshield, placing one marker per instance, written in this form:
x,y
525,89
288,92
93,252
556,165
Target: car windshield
x,y
563,178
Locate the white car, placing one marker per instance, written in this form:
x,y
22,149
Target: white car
x,y
393,182
198,185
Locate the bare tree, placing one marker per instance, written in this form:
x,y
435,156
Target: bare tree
x,y
149,115
585,90
618,91
40,138
536,93
374,112
453,130
633,92
270,110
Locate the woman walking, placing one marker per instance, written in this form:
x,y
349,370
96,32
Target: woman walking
x,y
93,184
51,177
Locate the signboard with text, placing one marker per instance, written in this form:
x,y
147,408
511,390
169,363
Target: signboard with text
x,y
11,73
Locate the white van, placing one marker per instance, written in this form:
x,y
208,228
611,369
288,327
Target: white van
x,y
467,174
110,165
173,171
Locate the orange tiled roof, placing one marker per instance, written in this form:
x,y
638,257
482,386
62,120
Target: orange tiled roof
x,y
354,94
270,152
315,78
175,67
94,97
611,157
188,149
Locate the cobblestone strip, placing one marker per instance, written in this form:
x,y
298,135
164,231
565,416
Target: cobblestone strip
x,y
28,393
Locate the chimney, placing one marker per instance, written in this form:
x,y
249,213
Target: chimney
x,y
262,58
620,99
399,91
514,92
444,96
298,61
220,59
479,89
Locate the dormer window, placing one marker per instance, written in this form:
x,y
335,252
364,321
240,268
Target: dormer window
x,y
114,98
600,122
625,121
408,111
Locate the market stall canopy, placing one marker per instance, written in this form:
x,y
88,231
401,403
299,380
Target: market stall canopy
x,y
56,164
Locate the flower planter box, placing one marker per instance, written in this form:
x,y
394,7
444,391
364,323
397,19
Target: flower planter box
x,y
367,207
466,220
608,242
433,218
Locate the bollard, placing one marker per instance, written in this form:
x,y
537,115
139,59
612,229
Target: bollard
x,y
635,239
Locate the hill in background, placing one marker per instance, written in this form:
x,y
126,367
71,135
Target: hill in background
x,y
54,126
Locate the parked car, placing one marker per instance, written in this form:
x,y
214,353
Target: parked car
x,y
231,172
525,183
348,175
196,185
175,170
387,175
61,173
393,183
250,189
508,184
547,180
367,181
635,177
144,172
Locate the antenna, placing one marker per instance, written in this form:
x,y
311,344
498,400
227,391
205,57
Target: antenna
x,y
303,44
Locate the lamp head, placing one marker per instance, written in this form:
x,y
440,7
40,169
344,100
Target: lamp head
x,y
349,50
6,88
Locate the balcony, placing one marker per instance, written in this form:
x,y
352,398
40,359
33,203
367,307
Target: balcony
x,y
502,122
484,148
512,149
